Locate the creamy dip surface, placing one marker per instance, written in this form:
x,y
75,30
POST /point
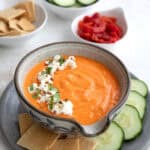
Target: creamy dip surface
x,y
90,88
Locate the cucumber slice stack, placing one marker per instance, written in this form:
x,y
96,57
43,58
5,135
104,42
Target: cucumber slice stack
x,y
131,116
128,123
72,3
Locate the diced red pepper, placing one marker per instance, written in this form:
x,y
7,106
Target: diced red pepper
x,y
87,19
100,29
96,15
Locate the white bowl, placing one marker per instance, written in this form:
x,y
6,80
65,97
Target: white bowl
x,y
69,12
41,19
121,21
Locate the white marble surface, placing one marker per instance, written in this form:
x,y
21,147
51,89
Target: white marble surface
x,y
134,52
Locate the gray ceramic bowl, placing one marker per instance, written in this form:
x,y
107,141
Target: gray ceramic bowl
x,y
72,48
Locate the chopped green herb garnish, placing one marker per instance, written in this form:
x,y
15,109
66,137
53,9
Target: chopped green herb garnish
x,y
38,91
48,70
50,86
51,103
35,96
53,99
61,60
50,106
43,72
54,89
31,87
56,97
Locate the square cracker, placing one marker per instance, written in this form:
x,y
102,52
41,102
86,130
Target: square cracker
x,y
13,24
37,138
66,144
25,122
80,143
3,26
10,33
11,13
86,144
29,7
25,25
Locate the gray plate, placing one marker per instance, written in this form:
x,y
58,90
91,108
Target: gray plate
x,y
10,108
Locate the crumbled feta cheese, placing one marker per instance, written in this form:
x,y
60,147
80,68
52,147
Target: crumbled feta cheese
x,y
47,62
55,64
68,62
53,92
62,67
57,108
45,78
65,107
44,98
49,94
68,108
54,69
57,57
72,58
44,87
71,63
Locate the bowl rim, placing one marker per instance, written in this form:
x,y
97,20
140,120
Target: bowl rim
x,y
108,116
76,20
73,8
32,32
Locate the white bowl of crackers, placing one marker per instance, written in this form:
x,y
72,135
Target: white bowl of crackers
x,y
21,22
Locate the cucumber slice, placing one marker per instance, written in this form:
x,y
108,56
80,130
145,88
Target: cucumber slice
x,y
129,120
64,3
139,86
138,101
111,139
77,5
51,1
86,2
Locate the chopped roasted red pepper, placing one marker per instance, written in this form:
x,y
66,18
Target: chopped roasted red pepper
x,y
100,29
